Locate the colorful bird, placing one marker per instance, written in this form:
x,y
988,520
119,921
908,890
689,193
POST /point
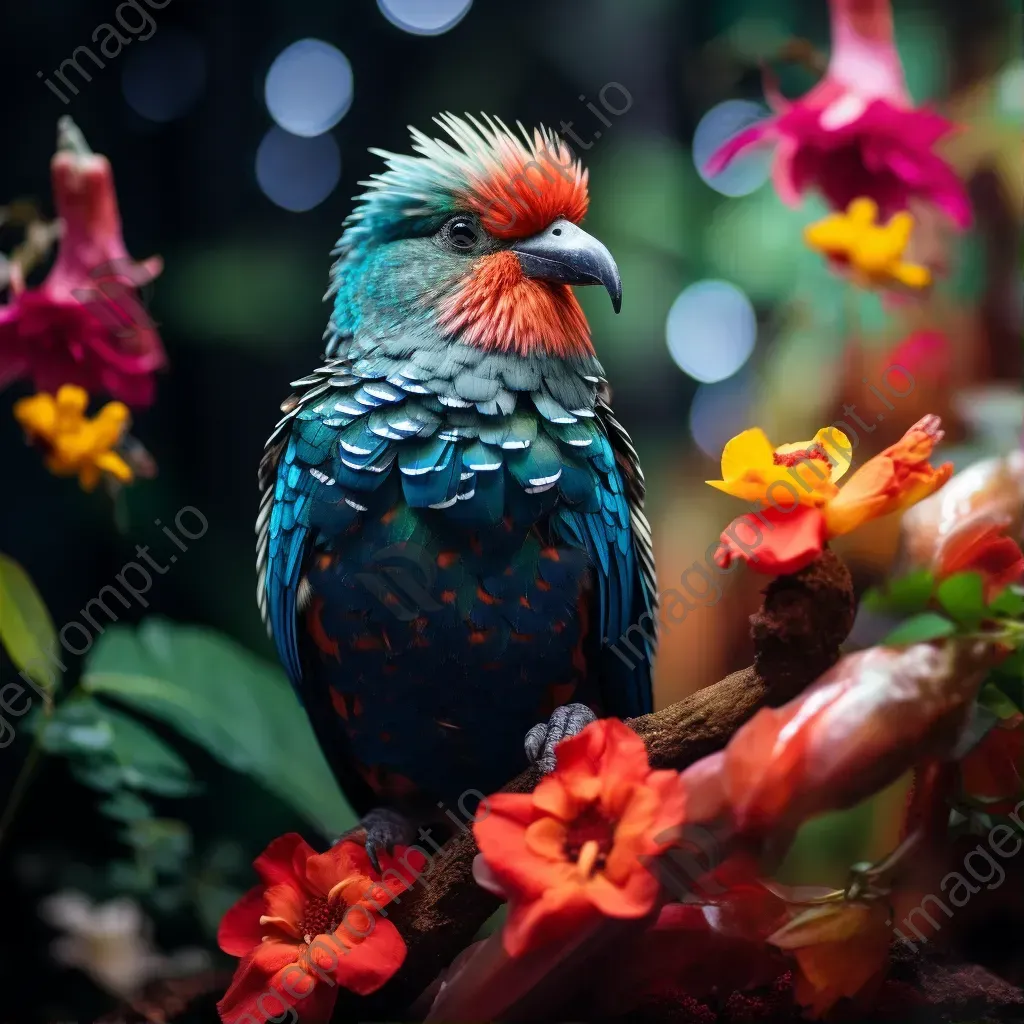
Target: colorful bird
x,y
452,523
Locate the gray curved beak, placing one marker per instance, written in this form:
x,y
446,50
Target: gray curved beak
x,y
565,253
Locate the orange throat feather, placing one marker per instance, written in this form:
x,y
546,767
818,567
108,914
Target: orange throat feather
x,y
500,309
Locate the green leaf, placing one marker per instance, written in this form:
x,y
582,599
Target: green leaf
x,y
904,596
963,598
110,751
997,702
1010,603
238,707
26,628
926,626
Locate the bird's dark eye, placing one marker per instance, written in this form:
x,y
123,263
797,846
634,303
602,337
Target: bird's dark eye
x,y
461,233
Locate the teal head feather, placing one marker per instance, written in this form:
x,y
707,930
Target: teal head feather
x,y
472,240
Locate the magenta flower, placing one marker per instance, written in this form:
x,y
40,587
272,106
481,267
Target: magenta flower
x,y
856,133
85,324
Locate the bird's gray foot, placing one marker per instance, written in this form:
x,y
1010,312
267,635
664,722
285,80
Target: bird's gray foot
x,y
385,829
565,721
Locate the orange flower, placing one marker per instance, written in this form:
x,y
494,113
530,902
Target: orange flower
x,y
803,507
576,847
839,949
314,922
979,544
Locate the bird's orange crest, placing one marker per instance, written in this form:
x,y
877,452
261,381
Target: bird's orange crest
x,y
519,186
517,183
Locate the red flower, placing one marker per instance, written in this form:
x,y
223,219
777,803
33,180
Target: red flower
x,y
575,848
979,544
84,324
856,132
316,921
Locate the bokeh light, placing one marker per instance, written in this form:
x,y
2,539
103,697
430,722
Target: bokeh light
x,y
750,170
164,79
721,411
309,87
425,17
1011,90
296,172
711,330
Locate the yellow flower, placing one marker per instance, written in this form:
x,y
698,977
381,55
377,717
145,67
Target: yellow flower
x,y
873,251
76,444
802,507
755,471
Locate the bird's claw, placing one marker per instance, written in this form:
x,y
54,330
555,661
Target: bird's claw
x,y
384,830
564,722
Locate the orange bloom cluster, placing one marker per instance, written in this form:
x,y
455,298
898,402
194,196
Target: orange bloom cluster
x,y
577,847
802,506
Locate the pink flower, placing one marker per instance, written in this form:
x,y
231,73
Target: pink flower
x,y
84,324
856,132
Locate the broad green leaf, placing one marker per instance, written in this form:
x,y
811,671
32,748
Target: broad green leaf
x,y
963,598
111,751
219,695
26,628
904,596
1009,603
997,702
926,626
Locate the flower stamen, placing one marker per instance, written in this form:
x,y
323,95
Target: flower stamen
x,y
815,451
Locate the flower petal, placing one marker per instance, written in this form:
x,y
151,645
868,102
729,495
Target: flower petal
x,y
552,798
283,861
758,134
371,963
557,914
501,837
979,544
793,540
240,931
636,897
749,450
546,838
285,903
